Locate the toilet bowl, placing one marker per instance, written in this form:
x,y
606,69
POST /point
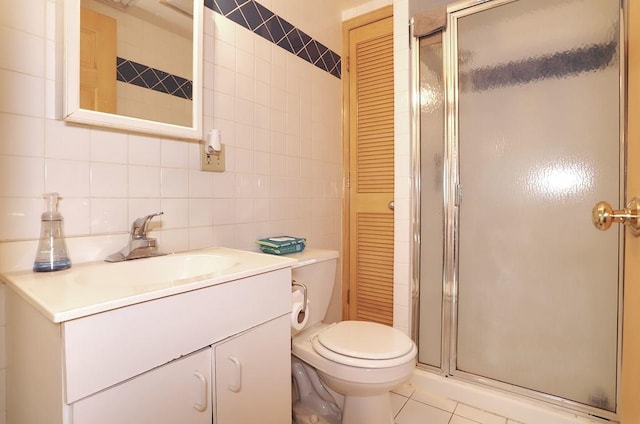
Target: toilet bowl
x,y
312,403
357,360
365,382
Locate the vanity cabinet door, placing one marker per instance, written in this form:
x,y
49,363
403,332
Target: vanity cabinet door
x,y
253,375
176,393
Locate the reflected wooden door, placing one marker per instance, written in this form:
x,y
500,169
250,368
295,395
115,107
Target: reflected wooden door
x,y
97,61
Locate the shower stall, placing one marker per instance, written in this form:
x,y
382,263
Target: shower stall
x,y
519,118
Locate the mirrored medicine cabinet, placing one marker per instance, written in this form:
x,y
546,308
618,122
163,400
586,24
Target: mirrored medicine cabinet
x,y
134,65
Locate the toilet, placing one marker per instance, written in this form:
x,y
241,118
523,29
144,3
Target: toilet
x,y
343,371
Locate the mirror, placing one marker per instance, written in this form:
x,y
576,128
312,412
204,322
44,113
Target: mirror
x,y
134,65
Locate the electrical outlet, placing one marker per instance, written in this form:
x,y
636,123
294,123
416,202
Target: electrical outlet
x,y
212,162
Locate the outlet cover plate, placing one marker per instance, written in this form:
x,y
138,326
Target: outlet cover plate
x,y
213,162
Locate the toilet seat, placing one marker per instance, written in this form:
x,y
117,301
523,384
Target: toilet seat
x,y
364,344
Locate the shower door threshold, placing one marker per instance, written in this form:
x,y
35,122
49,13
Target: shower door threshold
x,y
517,403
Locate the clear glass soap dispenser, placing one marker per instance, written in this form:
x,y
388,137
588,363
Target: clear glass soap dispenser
x,y
52,251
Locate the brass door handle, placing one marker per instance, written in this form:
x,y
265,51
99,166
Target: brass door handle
x,y
603,215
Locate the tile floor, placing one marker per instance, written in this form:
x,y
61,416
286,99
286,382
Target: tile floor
x,y
415,406
418,405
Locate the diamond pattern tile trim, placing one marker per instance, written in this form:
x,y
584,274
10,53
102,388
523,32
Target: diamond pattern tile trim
x,y
144,76
261,21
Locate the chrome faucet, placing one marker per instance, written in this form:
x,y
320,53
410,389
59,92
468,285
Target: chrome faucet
x,y
139,245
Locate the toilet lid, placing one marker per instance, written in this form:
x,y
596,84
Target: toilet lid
x,y
366,340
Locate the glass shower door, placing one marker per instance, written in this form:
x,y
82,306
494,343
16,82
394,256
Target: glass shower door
x,y
431,258
536,145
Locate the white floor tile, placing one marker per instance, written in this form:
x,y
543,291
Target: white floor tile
x,y
419,413
397,402
405,389
478,415
434,400
457,419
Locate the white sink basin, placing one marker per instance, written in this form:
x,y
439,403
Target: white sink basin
x,y
93,287
157,271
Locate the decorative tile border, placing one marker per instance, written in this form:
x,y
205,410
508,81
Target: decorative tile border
x,y
253,16
260,20
144,76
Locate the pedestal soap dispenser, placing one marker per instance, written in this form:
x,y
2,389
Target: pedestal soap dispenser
x,y
52,251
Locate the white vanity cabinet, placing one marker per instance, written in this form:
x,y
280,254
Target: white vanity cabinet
x,y
174,393
217,354
249,368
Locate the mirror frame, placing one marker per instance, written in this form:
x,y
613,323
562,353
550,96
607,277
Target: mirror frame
x,y
71,110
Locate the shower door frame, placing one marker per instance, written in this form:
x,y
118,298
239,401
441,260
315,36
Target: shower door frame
x,y
448,357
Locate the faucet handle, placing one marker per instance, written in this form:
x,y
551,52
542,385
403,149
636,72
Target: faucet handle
x,y
139,226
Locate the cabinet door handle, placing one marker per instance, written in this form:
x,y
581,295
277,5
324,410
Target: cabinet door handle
x,y
202,405
235,388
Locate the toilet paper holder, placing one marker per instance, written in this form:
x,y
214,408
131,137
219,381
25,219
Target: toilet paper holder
x,y
294,283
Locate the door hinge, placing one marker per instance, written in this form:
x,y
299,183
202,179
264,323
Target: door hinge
x,y
348,63
348,180
348,296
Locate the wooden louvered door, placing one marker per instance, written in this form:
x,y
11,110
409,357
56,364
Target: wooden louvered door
x,y
371,172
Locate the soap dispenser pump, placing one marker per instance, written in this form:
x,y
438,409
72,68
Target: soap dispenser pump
x,y
52,251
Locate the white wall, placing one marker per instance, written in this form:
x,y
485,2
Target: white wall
x,y
366,7
280,119
402,266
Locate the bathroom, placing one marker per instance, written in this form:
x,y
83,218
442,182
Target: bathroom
x,y
283,174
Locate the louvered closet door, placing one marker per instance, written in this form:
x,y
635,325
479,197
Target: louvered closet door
x,y
371,172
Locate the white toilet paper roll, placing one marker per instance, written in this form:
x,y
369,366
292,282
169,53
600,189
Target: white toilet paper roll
x,y
299,314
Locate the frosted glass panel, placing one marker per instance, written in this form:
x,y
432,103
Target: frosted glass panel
x,y
431,200
538,146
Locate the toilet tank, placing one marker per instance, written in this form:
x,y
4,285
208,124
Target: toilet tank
x,y
316,269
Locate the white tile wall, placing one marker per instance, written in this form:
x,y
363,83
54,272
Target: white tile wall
x,y
402,273
284,141
280,119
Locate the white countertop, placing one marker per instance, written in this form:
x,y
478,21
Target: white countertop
x,y
94,287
